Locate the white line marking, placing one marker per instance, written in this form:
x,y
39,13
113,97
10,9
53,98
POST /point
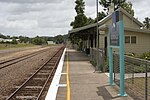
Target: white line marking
x,y
63,73
52,92
62,85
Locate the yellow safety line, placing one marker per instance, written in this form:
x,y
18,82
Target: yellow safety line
x,y
67,76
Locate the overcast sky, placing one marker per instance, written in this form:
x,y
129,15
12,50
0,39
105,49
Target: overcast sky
x,y
49,17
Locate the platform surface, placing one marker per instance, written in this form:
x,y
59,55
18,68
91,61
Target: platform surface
x,y
84,83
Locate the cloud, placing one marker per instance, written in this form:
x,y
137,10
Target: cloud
x,y
31,1
30,18
141,8
90,2
49,17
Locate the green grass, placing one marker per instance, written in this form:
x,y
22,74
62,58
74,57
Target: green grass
x,y
13,46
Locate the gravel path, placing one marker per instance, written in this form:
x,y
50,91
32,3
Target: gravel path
x,y
12,76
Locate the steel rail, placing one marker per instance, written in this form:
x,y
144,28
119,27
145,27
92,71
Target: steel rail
x,y
38,98
32,75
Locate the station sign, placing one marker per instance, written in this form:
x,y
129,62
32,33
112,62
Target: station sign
x,y
114,28
114,35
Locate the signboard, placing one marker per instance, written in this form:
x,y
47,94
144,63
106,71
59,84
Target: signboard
x,y
114,35
114,28
116,40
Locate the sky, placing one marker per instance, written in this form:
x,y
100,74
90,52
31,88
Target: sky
x,y
50,17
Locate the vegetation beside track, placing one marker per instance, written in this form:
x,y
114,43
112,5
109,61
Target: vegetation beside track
x,y
12,46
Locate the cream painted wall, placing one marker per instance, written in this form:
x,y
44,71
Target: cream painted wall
x,y
142,43
101,40
129,22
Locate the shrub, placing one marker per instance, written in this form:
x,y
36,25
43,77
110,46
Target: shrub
x,y
146,56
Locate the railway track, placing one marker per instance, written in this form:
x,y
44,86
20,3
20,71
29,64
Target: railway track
x,y
7,63
36,86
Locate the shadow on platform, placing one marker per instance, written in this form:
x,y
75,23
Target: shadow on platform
x,y
102,91
80,56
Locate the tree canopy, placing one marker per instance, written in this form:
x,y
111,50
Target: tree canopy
x,y
147,23
80,19
101,15
118,3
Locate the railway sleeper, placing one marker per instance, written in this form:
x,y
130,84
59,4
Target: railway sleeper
x,y
37,78
36,83
28,91
52,61
25,97
41,76
47,68
50,64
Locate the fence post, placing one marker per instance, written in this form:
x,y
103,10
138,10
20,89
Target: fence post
x,y
103,60
114,66
146,83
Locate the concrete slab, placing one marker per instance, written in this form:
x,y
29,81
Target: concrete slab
x,y
84,83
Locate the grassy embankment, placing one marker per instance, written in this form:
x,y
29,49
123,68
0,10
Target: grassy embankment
x,y
13,46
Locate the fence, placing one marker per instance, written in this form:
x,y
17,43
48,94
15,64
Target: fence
x,y
98,56
137,76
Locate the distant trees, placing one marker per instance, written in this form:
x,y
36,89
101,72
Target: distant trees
x,y
14,41
38,41
3,36
24,39
59,39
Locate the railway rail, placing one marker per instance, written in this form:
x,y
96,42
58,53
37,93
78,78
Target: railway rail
x,y
7,63
35,87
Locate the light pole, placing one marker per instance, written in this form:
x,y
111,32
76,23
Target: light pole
x,y
97,32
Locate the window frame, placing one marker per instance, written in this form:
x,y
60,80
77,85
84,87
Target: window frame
x,y
130,39
133,42
127,42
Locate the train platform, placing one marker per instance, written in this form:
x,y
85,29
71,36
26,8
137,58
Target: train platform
x,y
79,82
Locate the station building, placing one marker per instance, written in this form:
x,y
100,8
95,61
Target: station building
x,y
137,39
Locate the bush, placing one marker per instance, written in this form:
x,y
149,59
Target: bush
x,y
14,41
107,65
38,41
146,56
93,62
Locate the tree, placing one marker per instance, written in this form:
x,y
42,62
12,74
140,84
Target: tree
x,y
59,39
101,15
3,36
14,41
38,41
147,23
80,18
90,21
24,39
128,7
118,3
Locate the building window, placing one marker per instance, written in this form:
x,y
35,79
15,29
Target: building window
x,y
133,39
127,39
130,39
